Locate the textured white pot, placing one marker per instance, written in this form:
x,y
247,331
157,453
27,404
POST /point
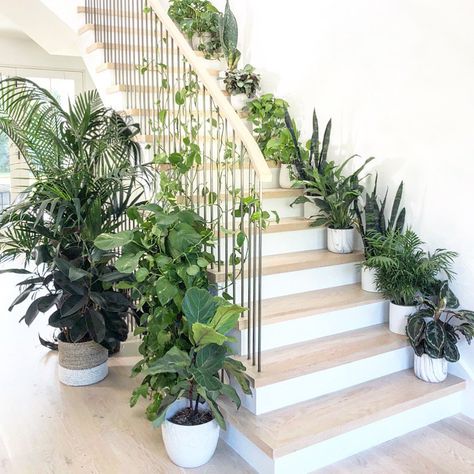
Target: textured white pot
x,y
199,39
83,363
215,65
368,279
189,446
340,240
398,316
310,209
239,101
430,370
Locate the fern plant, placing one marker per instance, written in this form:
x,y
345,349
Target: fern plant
x,y
404,269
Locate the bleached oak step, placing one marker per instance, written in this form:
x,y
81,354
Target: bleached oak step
x,y
108,12
318,432
120,88
294,261
121,66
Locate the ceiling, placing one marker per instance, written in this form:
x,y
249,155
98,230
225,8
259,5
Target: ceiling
x,y
10,29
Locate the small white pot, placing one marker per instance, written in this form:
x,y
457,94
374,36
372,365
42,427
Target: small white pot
x,y
239,101
285,178
368,279
398,317
310,209
430,370
340,240
215,65
199,39
189,446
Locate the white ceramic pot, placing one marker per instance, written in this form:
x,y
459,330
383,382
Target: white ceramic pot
x,y
199,39
189,446
340,240
430,370
310,209
214,65
368,279
285,178
239,101
398,316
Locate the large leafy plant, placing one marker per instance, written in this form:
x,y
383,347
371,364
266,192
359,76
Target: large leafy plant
x,y
242,81
404,269
87,172
229,36
431,330
193,371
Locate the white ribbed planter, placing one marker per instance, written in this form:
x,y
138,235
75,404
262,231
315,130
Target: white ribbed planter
x,y
239,101
84,363
310,210
398,317
340,240
189,446
430,370
367,279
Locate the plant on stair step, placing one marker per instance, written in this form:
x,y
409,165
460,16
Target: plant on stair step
x,y
405,271
433,335
229,37
199,21
184,383
371,220
86,171
242,85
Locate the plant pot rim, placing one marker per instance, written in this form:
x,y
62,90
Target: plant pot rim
x,y
346,228
62,341
205,407
404,305
427,355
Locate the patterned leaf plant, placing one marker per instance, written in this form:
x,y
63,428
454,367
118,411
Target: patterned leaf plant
x,y
229,36
430,329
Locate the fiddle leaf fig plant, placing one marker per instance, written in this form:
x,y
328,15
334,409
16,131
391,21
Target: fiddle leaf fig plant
x,y
431,330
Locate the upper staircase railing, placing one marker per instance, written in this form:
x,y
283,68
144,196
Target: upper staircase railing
x,y
207,157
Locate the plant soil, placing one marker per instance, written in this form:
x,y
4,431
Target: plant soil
x,y
187,417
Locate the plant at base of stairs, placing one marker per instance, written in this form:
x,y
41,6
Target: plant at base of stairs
x,y
404,269
430,330
198,18
229,36
371,218
87,172
242,81
190,367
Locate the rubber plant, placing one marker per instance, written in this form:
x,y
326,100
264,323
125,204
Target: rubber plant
x,y
86,170
431,330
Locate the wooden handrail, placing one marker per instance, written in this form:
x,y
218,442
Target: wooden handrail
x,y
255,154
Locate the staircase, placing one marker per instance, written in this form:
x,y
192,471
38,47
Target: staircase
x,y
334,380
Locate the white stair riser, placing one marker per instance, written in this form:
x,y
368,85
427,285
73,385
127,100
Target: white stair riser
x,y
315,326
331,380
340,447
290,283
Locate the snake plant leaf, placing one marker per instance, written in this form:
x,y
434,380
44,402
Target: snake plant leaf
x,y
229,30
314,148
323,157
400,224
198,306
435,336
381,225
396,207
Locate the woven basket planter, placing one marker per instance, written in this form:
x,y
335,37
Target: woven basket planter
x,y
84,363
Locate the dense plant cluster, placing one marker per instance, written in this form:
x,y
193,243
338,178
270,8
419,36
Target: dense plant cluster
x,y
242,81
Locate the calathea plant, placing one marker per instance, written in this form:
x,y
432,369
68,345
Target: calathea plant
x,y
242,81
229,36
431,330
87,172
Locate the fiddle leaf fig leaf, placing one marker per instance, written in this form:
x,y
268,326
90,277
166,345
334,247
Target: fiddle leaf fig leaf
x,y
204,335
226,318
198,305
174,361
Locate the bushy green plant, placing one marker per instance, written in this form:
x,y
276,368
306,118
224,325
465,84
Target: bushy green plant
x,y
404,269
371,218
229,37
198,18
430,330
87,173
242,81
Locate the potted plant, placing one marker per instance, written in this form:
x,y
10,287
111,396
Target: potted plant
x,y
199,21
433,335
242,85
229,37
84,162
405,271
371,221
183,328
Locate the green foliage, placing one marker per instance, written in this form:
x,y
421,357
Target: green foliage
x,y
404,269
242,81
371,218
87,170
267,114
229,36
198,18
430,331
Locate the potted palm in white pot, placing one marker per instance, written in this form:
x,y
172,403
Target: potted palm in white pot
x,y
433,335
405,271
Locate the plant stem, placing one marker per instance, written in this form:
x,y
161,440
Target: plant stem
x,y
196,406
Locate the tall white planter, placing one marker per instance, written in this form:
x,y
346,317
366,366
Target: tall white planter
x,y
239,101
398,317
310,209
340,240
430,370
189,446
368,279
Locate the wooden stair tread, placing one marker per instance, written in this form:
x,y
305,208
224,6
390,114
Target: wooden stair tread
x,y
303,358
113,66
139,88
286,308
293,428
294,261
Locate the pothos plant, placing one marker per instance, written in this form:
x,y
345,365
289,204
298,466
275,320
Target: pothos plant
x,y
242,81
431,330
